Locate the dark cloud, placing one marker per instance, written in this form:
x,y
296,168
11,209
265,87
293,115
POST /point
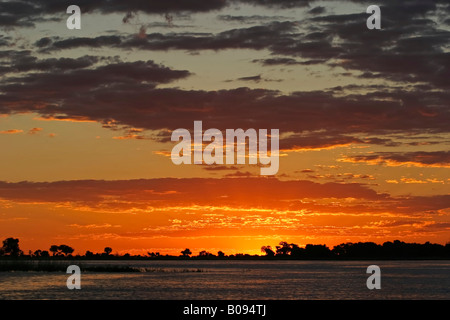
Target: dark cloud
x,y
276,61
438,225
159,6
47,44
17,13
76,84
256,78
382,141
316,140
23,61
110,6
43,42
410,50
408,38
429,204
423,143
190,190
277,3
317,10
251,19
257,37
4,40
286,61
127,94
330,139
419,158
26,13
71,72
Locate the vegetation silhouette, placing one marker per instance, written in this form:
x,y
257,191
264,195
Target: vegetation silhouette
x,y
186,253
397,250
268,251
108,251
11,248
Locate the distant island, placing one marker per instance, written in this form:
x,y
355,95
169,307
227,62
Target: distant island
x,y
396,250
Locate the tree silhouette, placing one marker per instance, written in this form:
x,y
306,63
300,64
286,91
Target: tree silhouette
x,y
108,251
37,253
186,252
11,247
66,250
268,251
54,249
205,254
296,251
61,250
283,249
317,251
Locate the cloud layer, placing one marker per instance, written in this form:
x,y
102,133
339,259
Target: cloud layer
x,y
234,193
410,55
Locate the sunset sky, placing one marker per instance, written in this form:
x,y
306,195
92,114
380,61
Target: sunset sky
x,y
86,118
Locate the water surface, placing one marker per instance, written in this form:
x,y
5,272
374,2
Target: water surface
x,y
238,280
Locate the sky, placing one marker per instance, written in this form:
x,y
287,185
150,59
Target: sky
x,y
86,118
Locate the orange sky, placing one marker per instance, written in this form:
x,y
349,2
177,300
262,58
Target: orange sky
x,y
86,117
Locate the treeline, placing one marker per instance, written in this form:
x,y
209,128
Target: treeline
x,y
360,250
